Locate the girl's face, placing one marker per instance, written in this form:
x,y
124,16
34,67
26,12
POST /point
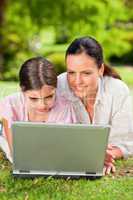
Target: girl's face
x,y
40,101
83,74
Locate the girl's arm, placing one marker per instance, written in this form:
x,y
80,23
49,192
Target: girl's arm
x,y
7,132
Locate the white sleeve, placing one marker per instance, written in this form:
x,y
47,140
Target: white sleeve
x,y
121,134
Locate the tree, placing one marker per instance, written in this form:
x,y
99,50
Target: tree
x,y
107,20
17,31
2,11
99,18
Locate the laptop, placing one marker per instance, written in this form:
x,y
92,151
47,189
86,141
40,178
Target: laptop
x,y
59,150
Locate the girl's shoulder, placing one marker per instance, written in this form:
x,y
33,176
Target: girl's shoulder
x,y
15,100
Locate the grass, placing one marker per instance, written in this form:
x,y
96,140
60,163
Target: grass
x,y
7,88
113,187
126,74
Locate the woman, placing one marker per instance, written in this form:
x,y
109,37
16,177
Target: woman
x,y
98,96
37,101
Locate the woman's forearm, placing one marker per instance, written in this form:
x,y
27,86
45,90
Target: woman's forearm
x,y
117,152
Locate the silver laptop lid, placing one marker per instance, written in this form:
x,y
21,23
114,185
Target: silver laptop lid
x,y
59,149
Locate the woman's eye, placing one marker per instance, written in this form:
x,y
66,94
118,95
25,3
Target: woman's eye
x,y
87,73
33,99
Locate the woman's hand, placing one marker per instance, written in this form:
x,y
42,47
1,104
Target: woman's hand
x,y
109,161
112,153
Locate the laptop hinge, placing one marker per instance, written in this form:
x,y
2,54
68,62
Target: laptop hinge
x,y
24,171
90,172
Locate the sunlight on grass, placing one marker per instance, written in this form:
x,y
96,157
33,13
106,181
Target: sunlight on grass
x,y
126,74
116,186
7,88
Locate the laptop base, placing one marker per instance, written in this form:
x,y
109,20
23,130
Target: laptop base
x,y
62,175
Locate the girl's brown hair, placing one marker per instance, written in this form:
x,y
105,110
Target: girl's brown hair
x,y
35,73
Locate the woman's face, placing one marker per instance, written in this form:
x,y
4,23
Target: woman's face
x,y
40,101
83,74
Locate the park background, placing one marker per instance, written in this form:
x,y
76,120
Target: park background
x,y
45,28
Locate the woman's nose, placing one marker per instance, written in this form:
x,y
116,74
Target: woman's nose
x,y
78,79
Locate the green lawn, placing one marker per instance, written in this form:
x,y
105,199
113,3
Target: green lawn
x,y
113,187
126,74
7,88
118,186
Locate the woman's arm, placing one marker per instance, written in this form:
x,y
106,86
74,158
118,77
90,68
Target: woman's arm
x,y
121,135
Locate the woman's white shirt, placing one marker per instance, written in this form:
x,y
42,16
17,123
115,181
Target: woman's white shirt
x,y
113,106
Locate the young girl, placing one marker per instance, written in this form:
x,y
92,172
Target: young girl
x,y
37,101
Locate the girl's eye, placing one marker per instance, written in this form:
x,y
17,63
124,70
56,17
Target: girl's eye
x,y
70,73
50,97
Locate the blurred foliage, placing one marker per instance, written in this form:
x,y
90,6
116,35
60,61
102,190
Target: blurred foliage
x,y
59,61
17,31
37,27
127,75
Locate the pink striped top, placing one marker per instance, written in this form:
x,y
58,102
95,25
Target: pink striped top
x,y
13,108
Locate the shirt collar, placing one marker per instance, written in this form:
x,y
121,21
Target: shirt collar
x,y
99,97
